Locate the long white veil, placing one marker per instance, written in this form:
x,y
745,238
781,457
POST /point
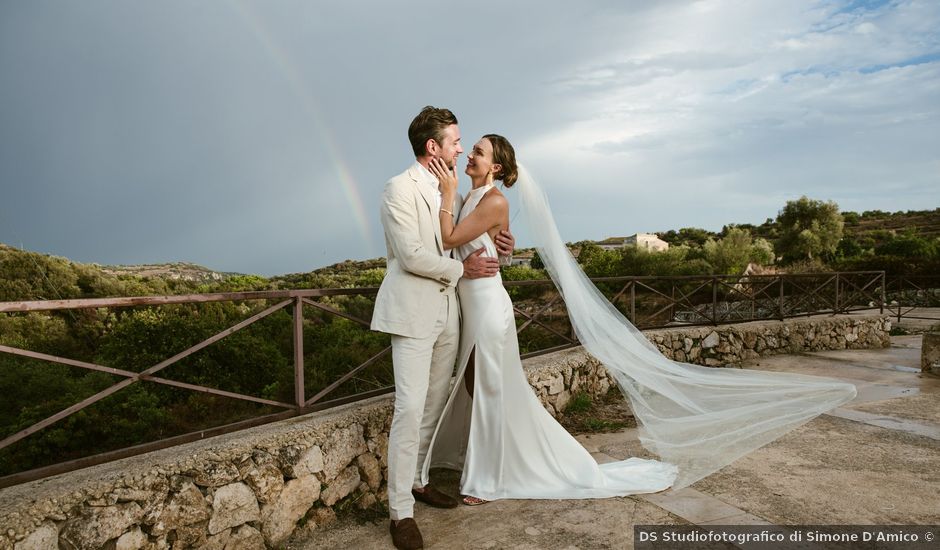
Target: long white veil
x,y
698,418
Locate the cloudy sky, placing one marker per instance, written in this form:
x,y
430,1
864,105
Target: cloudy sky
x,y
256,136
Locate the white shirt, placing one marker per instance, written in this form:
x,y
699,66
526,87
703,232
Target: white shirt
x,y
429,179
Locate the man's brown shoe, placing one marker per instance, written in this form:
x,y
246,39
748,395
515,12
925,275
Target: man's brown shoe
x,y
435,498
405,534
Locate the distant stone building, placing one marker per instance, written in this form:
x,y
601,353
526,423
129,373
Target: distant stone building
x,y
647,241
523,258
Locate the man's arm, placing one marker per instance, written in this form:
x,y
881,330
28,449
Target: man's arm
x,y
400,220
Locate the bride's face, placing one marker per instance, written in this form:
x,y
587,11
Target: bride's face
x,y
480,160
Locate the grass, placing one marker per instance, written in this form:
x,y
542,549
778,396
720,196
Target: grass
x,y
348,508
609,413
581,402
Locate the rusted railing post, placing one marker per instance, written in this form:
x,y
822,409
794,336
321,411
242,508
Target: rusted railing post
x,y
781,299
715,300
884,293
299,351
672,310
835,309
900,294
633,301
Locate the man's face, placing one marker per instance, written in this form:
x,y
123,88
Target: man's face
x,y
450,149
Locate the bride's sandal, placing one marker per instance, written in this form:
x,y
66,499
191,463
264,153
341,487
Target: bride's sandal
x,y
473,501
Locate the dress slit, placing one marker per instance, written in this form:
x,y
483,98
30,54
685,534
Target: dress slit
x,y
469,373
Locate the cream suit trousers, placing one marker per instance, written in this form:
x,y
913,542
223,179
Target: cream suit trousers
x,y
423,370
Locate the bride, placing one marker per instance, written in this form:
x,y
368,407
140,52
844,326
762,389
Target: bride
x,y
696,419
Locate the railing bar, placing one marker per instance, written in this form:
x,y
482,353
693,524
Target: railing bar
x,y
347,376
131,374
685,295
548,350
621,293
336,312
214,391
669,297
685,299
213,339
86,303
660,310
531,318
66,361
132,301
66,412
550,329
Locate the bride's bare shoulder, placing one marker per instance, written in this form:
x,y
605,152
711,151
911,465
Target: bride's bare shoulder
x,y
494,198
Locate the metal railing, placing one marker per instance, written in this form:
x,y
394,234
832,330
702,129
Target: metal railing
x,y
904,295
543,326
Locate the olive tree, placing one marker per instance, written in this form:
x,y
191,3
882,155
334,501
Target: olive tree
x,y
808,229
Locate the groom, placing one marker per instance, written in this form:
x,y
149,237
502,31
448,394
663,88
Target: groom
x,y
417,305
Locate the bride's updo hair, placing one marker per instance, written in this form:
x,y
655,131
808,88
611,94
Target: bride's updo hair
x,y
505,156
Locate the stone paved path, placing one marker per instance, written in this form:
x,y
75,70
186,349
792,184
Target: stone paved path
x,y
874,460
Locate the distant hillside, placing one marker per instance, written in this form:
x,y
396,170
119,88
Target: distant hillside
x,y
872,225
178,271
26,275
924,223
348,273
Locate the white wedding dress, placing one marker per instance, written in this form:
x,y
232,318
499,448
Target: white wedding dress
x,y
504,441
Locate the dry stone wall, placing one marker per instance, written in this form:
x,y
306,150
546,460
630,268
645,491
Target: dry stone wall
x,y
557,377
254,488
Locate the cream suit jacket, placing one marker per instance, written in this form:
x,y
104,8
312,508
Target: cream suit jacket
x,y
419,275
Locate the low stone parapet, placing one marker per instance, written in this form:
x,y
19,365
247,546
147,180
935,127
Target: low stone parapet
x,y
249,489
930,353
559,376
253,488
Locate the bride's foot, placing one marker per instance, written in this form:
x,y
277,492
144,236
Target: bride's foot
x,y
473,501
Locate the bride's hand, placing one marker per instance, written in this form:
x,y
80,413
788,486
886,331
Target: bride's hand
x,y
444,175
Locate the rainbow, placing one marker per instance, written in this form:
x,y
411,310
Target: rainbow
x,y
310,105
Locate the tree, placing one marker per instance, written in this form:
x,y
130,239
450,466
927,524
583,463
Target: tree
x,y
736,249
589,251
908,246
536,262
693,236
849,248
808,229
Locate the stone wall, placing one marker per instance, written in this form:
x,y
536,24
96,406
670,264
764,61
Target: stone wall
x,y
930,353
559,376
252,489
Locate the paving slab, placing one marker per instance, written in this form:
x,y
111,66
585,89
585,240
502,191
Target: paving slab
x,y
516,524
917,406
835,471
